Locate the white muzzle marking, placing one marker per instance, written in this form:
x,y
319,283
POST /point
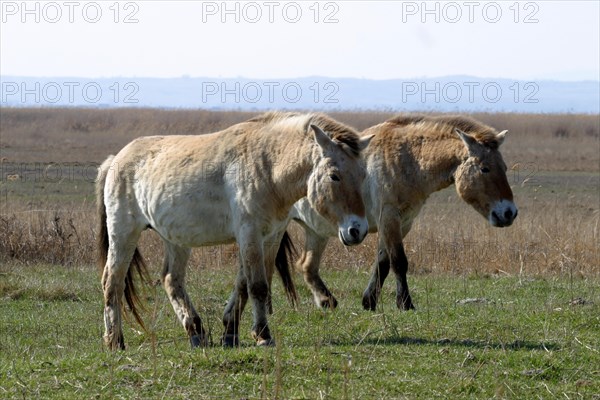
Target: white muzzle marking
x,y
353,230
503,213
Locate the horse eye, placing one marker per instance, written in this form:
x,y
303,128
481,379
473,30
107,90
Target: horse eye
x,y
485,170
334,177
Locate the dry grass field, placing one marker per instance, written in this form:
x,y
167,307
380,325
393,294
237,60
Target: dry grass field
x,y
49,159
501,313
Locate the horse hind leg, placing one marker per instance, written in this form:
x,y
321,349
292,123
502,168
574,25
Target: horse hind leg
x,y
270,254
120,254
233,310
173,277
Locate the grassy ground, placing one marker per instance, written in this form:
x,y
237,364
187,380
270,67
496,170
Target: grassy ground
x,y
472,337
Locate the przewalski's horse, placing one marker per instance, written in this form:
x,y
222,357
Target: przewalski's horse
x,y
235,185
409,158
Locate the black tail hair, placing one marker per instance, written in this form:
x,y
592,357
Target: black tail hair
x,y
137,262
285,253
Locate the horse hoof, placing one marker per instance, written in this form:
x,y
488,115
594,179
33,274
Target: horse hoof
x,y
265,342
114,345
261,341
405,305
369,302
230,340
330,302
198,341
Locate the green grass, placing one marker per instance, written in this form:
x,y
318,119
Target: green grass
x,y
524,341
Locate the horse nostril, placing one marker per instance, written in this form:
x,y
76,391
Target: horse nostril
x,y
354,233
508,214
495,216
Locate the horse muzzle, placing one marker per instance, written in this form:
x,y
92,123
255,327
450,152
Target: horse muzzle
x,y
353,230
503,213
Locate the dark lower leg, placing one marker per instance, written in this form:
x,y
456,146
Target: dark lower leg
x,y
259,292
233,311
196,333
381,269
400,266
323,297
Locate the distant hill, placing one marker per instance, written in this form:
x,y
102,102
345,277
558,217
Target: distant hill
x,y
451,93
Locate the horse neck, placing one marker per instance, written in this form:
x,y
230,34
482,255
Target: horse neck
x,y
294,163
440,159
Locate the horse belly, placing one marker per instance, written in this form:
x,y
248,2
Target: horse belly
x,y
193,221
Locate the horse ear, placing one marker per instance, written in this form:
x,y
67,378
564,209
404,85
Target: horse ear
x,y
323,140
467,139
501,136
364,142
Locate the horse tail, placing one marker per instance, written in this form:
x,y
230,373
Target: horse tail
x,y
287,251
131,295
102,238
137,262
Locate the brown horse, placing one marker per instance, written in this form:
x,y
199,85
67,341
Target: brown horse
x,y
410,157
235,185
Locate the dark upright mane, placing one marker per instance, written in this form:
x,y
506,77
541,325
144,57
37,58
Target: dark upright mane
x,y
336,130
445,125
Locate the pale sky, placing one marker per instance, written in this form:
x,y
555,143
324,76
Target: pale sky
x,y
279,39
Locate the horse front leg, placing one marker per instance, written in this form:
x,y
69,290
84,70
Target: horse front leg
x,y
399,264
390,254
381,269
239,297
253,261
309,265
